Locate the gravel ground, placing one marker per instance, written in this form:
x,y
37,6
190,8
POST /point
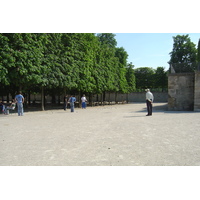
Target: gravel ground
x,y
117,135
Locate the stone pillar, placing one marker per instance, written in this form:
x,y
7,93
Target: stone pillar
x,y
197,92
181,91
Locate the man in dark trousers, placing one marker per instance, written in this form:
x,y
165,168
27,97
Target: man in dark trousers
x,y
65,102
149,101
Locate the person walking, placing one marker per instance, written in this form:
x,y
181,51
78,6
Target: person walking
x,y
149,101
72,100
83,100
20,100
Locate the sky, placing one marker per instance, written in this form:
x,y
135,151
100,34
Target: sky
x,y
150,49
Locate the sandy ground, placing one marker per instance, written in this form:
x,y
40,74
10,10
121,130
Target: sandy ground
x,y
117,135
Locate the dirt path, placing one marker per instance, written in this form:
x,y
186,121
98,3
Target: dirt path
x,y
119,135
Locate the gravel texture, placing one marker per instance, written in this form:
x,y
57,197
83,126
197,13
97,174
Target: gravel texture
x,y
113,135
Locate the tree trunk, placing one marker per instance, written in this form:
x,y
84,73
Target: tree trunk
x,y
79,99
59,100
116,97
109,98
101,99
42,98
29,98
8,98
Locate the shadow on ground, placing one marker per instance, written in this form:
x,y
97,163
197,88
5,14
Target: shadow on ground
x,y
164,108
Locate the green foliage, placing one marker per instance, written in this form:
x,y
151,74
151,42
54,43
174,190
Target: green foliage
x,y
144,77
107,39
147,77
161,79
72,62
130,77
198,51
78,62
25,59
6,59
184,52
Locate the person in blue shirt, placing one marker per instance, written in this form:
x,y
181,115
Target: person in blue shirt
x,y
72,100
20,100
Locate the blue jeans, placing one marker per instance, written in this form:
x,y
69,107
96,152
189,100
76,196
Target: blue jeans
x,y
20,109
83,104
72,106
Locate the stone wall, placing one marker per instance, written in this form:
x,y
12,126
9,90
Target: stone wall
x,y
138,97
181,91
141,96
197,92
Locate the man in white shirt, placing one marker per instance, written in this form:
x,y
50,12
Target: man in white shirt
x,y
83,99
149,101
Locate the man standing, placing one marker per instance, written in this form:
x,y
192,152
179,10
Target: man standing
x,y
72,100
149,101
83,100
65,102
20,100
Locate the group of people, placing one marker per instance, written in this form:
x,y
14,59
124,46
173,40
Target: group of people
x,y
19,100
72,101
5,109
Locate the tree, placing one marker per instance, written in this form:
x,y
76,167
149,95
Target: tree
x,y
86,46
144,77
6,60
122,56
107,39
25,59
130,77
58,62
198,54
160,77
107,62
198,51
184,52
